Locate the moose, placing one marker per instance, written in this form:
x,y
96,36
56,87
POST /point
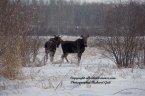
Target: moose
x,y
50,47
77,46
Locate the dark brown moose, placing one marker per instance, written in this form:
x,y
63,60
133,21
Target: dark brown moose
x,y
77,46
50,47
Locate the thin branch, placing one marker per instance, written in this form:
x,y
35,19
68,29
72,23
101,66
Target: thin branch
x,y
128,89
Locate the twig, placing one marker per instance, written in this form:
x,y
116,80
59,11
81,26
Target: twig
x,y
62,80
128,89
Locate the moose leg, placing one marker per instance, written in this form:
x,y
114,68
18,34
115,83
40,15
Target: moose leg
x,y
66,59
46,56
79,57
51,56
64,55
62,58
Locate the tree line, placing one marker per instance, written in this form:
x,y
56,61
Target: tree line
x,y
69,17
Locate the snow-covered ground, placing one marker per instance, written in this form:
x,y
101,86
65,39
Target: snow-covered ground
x,y
68,79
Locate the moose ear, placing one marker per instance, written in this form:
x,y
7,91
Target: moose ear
x,y
82,36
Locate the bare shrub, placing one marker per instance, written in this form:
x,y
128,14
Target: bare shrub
x,y
124,28
15,21
35,46
12,61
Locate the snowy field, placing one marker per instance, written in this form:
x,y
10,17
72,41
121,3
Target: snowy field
x,y
71,80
